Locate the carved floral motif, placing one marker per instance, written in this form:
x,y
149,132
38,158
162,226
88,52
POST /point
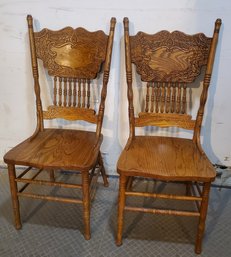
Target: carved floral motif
x,y
71,52
167,56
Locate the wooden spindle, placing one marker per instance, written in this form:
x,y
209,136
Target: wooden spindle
x,y
173,102
147,97
88,93
178,99
163,92
79,93
184,98
69,92
65,93
168,98
74,92
155,96
158,94
152,97
60,91
55,91
84,93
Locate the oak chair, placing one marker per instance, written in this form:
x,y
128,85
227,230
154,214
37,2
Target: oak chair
x,y
74,59
168,64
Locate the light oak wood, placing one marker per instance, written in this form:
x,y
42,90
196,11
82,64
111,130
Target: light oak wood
x,y
167,62
70,113
165,120
74,58
165,158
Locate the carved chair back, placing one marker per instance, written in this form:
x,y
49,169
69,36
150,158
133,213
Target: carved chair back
x,y
168,63
74,58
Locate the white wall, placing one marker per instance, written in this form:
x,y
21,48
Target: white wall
x,y
16,98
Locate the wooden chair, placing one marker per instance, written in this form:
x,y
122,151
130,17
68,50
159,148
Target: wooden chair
x,y
75,58
169,63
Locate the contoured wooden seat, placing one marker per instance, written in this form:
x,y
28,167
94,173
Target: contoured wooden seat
x,y
168,63
74,58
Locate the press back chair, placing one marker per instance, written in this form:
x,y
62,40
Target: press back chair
x,y
74,58
167,63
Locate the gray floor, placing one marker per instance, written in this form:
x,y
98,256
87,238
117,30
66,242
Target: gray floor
x,y
54,229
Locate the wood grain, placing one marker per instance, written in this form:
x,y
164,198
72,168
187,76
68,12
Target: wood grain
x,y
71,52
165,120
169,56
165,158
70,113
57,148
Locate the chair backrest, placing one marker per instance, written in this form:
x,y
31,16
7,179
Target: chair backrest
x,y
168,63
74,58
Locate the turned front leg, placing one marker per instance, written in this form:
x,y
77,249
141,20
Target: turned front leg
x,y
202,218
86,205
121,204
14,196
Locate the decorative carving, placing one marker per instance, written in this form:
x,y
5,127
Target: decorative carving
x,y
165,120
169,57
70,113
71,52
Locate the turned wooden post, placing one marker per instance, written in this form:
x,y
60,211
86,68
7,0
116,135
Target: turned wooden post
x,y
121,204
14,191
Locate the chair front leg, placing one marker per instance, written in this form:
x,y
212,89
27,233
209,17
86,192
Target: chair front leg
x,y
121,205
14,196
202,218
86,205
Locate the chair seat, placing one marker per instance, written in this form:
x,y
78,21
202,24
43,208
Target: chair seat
x,y
166,158
55,148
